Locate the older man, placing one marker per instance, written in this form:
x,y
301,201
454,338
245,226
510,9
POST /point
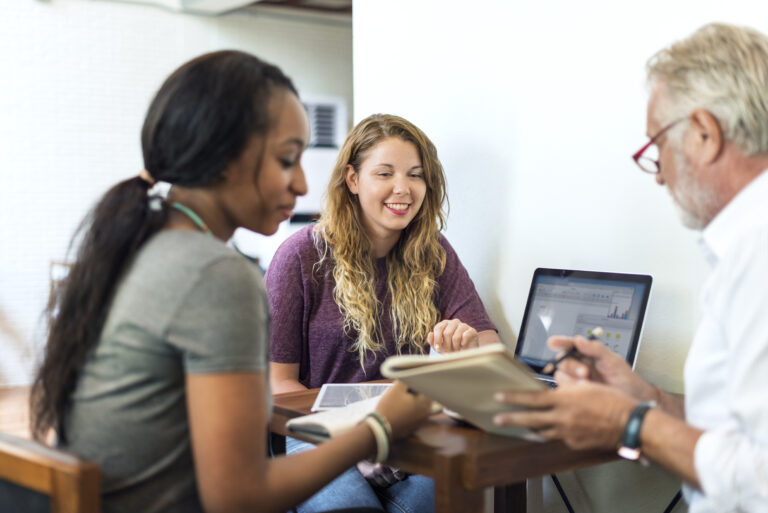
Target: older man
x,y
708,121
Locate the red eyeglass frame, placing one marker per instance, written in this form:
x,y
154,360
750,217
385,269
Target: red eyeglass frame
x,y
639,153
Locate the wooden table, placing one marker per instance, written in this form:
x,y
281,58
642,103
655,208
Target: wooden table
x,y
463,460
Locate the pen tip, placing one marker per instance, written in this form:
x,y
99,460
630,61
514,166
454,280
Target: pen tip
x,y
597,331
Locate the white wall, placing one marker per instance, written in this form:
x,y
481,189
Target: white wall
x,y
535,109
77,78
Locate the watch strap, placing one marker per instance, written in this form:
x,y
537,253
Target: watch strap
x,y
630,440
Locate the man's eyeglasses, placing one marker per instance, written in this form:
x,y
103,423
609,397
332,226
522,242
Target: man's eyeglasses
x,y
647,157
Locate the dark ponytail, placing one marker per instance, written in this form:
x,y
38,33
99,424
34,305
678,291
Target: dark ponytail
x,y
111,234
200,120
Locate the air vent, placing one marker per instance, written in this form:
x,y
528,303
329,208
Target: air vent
x,y
326,120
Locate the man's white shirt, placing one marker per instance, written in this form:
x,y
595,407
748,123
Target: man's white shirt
x,y
726,372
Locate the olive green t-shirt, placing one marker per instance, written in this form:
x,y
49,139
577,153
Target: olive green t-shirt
x,y
187,305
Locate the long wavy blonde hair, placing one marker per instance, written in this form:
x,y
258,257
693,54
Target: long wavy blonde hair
x,y
413,264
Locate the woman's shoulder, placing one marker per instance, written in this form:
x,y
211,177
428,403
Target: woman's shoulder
x,y
303,248
179,255
195,249
452,261
178,267
449,251
300,242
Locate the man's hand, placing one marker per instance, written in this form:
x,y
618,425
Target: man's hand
x,y
584,415
598,363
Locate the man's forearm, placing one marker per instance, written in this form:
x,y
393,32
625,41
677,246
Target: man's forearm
x,y
670,442
673,404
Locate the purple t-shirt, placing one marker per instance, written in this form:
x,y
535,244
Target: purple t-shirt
x,y
307,326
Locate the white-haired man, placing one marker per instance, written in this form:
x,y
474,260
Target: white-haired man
x,y
708,120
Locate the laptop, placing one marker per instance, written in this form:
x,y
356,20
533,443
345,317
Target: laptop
x,y
572,302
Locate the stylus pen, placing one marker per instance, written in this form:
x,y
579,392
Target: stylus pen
x,y
551,366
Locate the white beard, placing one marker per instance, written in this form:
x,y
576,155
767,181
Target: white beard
x,y
695,205
687,218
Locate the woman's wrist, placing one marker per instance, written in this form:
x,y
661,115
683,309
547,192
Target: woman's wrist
x,y
381,433
384,423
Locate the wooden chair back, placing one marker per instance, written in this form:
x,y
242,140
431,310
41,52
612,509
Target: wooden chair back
x,y
37,478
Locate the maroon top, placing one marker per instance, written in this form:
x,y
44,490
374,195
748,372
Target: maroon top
x,y
307,326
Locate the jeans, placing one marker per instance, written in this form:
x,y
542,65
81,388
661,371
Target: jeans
x,y
416,494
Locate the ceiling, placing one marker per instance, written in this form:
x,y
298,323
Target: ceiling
x,y
215,7
327,6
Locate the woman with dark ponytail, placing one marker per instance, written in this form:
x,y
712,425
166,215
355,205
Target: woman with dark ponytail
x,y
156,360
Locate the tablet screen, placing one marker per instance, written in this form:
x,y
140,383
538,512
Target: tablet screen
x,y
338,395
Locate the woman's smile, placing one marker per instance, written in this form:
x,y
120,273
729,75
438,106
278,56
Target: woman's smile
x,y
399,209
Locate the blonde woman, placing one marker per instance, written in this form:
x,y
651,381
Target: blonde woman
x,y
374,277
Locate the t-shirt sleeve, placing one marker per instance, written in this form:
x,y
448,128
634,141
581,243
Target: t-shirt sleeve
x,y
285,290
223,323
458,298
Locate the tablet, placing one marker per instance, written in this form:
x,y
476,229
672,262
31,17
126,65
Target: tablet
x,y
338,395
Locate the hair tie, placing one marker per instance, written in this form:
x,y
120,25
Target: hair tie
x,y
144,175
157,192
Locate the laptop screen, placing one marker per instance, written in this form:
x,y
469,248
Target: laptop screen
x,y
569,302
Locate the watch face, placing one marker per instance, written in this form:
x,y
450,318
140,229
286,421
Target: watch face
x,y
629,453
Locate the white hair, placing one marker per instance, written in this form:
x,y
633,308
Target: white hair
x,y
724,70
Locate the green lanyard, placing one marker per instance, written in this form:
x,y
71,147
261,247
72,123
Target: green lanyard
x,y
194,217
201,224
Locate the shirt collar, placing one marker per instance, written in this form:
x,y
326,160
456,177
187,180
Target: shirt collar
x,y
744,212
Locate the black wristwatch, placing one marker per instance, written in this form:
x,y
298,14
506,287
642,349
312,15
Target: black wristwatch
x,y
630,441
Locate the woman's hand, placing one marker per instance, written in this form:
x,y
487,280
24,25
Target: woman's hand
x,y
379,474
452,335
403,410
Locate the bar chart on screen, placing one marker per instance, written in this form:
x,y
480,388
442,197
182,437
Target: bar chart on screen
x,y
621,302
